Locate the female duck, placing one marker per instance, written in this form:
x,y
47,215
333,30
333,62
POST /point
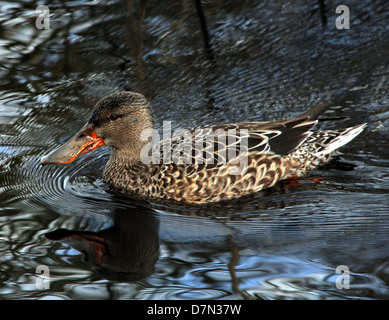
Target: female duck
x,y
209,164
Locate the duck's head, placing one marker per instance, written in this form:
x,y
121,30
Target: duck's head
x,y
117,121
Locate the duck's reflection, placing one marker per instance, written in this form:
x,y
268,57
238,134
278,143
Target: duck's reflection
x,y
128,250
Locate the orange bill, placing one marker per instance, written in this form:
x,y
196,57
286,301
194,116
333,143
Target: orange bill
x,y
84,141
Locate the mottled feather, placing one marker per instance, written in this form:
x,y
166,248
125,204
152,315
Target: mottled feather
x,y
202,161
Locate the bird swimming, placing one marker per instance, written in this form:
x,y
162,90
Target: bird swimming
x,y
209,164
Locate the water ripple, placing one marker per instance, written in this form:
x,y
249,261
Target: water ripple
x,y
271,60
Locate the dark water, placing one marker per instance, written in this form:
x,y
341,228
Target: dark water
x,y
267,60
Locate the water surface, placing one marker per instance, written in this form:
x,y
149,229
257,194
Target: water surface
x,y
266,60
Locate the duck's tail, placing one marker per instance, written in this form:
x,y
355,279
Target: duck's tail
x,y
331,140
320,147
328,141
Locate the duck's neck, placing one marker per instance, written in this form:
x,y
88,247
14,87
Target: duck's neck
x,y
123,157
119,161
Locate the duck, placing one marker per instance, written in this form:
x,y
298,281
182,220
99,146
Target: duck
x,y
204,165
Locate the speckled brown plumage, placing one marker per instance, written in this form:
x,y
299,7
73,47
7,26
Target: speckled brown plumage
x,y
279,150
220,162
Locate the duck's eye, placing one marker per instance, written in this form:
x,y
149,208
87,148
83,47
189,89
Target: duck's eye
x,y
113,117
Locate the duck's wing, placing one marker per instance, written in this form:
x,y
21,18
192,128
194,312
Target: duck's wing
x,y
216,145
278,137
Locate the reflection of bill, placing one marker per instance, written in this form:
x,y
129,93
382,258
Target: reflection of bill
x,y
127,250
43,20
43,280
